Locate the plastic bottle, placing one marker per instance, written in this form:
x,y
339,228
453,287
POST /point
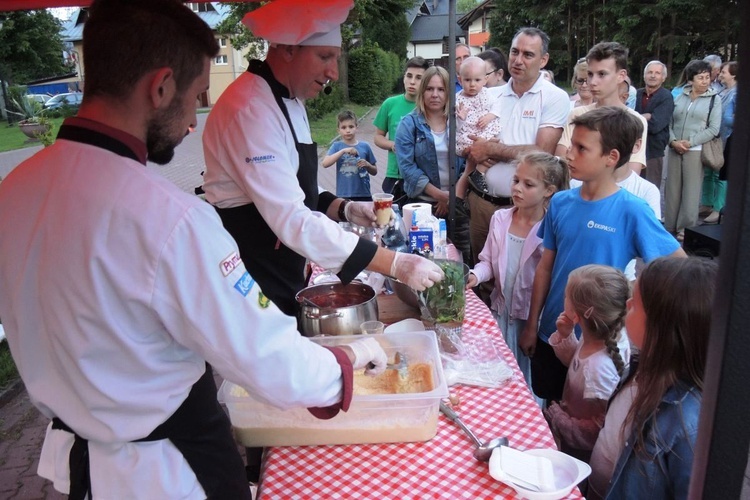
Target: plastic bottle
x,y
394,235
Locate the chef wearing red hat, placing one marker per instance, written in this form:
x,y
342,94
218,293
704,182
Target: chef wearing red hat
x,y
261,161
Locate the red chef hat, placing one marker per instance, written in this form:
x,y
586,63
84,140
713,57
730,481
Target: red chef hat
x,y
299,22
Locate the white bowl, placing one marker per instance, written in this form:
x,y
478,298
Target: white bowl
x,y
568,473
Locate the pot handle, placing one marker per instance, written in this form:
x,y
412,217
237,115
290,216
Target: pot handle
x,y
311,315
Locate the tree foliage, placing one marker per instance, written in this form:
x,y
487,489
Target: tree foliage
x,y
30,46
390,32
379,21
238,34
465,6
673,31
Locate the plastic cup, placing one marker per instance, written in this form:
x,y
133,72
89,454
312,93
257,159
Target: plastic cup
x,y
383,207
372,327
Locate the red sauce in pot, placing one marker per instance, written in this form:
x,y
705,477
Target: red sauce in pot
x,y
336,300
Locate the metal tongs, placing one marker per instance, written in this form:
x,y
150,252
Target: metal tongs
x,y
399,364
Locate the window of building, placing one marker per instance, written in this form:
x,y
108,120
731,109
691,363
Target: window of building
x,y
222,42
221,59
201,6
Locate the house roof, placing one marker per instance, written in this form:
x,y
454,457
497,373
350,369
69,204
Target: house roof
x,y
427,8
475,13
72,30
431,28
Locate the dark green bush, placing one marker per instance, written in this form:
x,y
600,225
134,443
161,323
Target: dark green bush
x,y
373,74
64,111
323,104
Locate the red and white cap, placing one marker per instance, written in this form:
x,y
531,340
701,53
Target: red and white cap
x,y
299,22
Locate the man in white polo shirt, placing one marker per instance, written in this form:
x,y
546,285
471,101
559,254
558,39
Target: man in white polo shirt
x,y
532,112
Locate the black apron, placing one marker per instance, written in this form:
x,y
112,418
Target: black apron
x,y
199,429
279,270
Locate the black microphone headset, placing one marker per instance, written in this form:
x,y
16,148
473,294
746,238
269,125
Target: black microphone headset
x,y
327,88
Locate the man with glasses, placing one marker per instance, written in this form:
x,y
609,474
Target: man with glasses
x,y
462,53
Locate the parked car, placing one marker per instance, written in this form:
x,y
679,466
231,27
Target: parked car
x,y
72,99
40,98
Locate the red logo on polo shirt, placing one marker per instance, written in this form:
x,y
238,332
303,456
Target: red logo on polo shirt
x,y
529,113
230,264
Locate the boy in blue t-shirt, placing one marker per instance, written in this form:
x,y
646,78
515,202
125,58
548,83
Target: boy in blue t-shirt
x,y
597,223
354,161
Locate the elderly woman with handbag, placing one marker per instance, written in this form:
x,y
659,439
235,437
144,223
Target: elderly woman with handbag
x,y
695,122
715,181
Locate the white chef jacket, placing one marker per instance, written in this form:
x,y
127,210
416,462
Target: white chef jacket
x,y
251,158
115,288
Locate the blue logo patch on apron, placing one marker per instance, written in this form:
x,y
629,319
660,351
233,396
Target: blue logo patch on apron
x,y
244,284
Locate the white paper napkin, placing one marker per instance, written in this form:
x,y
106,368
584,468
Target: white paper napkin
x,y
530,472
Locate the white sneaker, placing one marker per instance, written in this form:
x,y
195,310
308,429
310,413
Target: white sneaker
x,y
712,218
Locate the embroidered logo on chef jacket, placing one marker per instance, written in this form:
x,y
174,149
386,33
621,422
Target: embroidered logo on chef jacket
x,y
244,284
263,301
260,159
229,264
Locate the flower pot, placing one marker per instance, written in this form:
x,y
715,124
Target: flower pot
x,y
32,130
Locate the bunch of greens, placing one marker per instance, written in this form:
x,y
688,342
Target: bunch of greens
x,y
445,301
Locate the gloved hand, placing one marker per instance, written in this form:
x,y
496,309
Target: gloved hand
x,y
367,350
415,271
361,213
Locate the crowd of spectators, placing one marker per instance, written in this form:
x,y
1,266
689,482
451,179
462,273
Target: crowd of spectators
x,y
636,182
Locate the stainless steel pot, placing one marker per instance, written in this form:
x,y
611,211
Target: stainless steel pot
x,y
335,308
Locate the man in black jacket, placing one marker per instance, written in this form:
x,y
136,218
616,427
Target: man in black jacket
x,y
655,103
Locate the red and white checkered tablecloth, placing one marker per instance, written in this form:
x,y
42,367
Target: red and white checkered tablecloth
x,y
440,468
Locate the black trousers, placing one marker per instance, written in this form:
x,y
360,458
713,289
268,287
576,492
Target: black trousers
x,y
547,372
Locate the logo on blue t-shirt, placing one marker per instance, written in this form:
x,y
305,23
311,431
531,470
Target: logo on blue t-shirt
x,y
244,284
594,225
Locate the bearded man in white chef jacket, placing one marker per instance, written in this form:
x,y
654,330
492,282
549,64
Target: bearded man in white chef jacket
x,y
117,289
261,161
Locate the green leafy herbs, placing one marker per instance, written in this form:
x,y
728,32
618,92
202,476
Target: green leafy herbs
x,y
445,301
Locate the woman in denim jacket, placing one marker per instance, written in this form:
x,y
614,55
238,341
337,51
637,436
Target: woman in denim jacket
x,y
422,147
690,128
662,422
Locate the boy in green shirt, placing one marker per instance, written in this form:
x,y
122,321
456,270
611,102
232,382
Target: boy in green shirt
x,y
387,120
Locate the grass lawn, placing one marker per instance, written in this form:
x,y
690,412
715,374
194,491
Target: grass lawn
x,y
12,138
326,129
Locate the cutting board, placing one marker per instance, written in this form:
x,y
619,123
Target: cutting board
x,y
392,309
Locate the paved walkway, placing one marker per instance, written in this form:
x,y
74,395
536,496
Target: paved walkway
x,y
22,427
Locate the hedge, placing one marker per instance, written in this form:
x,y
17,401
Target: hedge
x,y
373,74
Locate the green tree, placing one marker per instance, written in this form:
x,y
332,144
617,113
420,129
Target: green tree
x,y
389,32
30,46
238,34
465,6
673,31
365,12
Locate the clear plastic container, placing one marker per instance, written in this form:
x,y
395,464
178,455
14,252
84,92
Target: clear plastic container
x,y
381,418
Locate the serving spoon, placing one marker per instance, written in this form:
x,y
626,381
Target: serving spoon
x,y
483,451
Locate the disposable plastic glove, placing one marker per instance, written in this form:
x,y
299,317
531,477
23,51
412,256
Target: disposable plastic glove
x,y
367,350
415,271
361,213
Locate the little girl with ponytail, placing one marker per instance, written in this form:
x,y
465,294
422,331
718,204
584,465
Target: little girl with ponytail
x,y
595,299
